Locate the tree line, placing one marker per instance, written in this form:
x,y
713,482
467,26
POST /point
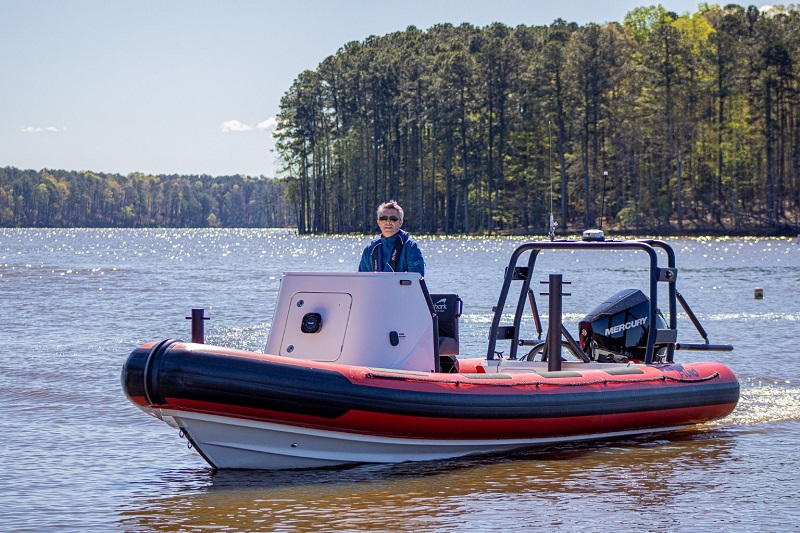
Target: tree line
x,y
58,198
663,122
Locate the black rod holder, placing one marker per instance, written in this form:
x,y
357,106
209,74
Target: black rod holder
x,y
704,347
197,319
553,339
692,316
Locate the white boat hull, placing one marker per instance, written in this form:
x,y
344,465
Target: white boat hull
x,y
227,442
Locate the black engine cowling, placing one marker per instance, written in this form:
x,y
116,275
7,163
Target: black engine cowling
x,y
617,329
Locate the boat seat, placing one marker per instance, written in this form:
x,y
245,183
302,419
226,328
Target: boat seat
x,y
448,309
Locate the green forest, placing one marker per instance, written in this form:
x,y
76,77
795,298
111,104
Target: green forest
x,y
663,122
57,198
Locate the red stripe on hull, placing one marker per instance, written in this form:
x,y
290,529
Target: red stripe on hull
x,y
390,425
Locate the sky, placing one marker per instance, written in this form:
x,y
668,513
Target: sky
x,y
193,86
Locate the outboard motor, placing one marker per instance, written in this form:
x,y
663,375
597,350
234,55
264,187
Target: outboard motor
x,y
617,329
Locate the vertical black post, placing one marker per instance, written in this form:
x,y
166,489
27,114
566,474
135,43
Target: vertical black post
x,y
553,340
197,319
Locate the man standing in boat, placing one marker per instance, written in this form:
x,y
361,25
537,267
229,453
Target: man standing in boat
x,y
393,250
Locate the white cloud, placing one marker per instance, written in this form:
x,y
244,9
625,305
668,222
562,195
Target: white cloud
x,y
269,125
235,126
32,129
770,11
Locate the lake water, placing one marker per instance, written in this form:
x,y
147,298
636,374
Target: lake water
x,y
75,455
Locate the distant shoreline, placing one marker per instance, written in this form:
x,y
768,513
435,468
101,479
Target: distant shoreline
x,y
609,234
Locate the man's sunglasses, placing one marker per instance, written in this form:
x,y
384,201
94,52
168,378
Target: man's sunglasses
x,y
392,218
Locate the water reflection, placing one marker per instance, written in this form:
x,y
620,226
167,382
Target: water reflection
x,y
575,486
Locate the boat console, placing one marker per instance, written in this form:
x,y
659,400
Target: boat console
x,y
373,319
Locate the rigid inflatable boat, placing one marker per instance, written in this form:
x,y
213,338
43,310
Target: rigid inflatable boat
x,y
339,383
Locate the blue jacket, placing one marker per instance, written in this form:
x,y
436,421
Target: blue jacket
x,y
410,259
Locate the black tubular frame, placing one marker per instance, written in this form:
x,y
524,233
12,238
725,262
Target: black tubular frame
x,y
658,274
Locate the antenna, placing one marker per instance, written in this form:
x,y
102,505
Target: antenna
x,y
553,223
603,205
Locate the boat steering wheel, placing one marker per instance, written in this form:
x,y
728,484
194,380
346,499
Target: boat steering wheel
x,y
537,350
